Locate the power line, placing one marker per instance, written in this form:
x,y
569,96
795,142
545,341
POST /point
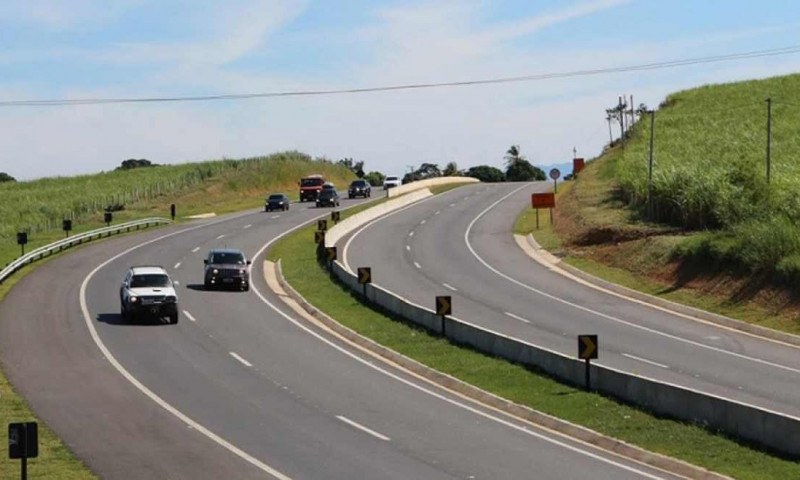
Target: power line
x,y
413,86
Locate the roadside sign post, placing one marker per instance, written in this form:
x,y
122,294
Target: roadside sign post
x,y
364,277
587,350
108,217
23,443
66,225
543,200
172,211
444,307
555,174
22,239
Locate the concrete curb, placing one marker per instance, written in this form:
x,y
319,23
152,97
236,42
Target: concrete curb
x,y
280,287
431,182
542,256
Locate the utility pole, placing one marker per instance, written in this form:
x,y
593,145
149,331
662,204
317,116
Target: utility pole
x,y
769,134
610,136
650,167
574,152
632,112
621,110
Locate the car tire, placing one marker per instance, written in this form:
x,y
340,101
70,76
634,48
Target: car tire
x,y
173,318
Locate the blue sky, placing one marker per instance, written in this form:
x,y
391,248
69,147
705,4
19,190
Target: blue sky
x,y
138,48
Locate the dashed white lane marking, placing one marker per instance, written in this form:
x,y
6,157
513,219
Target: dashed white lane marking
x,y
176,282
247,226
633,357
195,249
438,212
242,360
408,247
411,233
189,316
363,428
276,216
517,317
422,222
220,236
452,204
177,265
447,285
417,265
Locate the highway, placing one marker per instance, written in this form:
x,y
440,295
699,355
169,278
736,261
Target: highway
x,y
242,387
460,244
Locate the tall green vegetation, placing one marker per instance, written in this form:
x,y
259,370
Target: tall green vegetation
x,y
40,205
710,173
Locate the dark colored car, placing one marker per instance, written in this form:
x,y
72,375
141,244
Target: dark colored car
x,y
227,267
328,196
276,201
359,188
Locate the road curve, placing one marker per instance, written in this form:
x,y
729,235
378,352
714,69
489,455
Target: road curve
x,y
240,388
460,244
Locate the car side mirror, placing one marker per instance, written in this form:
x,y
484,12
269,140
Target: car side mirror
x,y
124,284
205,261
249,262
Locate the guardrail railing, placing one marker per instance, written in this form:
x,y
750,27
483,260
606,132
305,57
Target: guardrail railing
x,y
78,239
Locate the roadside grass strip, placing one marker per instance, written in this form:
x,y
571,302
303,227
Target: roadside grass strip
x,y
684,441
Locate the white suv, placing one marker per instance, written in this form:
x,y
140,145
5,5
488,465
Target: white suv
x,y
390,182
148,290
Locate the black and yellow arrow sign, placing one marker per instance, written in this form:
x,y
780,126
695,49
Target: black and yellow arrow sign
x,y
331,253
335,216
364,275
319,237
322,225
444,306
587,346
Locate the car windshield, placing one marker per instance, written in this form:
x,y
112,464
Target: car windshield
x,y
328,192
149,280
310,182
228,257
358,183
276,197
389,179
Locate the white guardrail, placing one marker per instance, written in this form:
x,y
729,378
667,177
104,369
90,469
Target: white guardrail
x,y
55,247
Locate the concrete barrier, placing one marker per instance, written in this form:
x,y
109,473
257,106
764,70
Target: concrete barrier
x,y
428,183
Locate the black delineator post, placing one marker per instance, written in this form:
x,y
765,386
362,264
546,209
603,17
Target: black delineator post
x,y
172,211
588,375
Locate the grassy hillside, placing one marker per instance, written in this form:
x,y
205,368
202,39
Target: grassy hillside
x,y
39,206
710,174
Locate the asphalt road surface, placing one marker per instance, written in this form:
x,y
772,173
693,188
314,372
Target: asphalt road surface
x,y
460,244
240,387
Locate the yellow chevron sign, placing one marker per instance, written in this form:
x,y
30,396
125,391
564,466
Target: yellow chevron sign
x,y
322,225
319,237
587,346
364,275
444,306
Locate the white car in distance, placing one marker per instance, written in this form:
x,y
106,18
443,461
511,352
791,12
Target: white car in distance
x,y
390,182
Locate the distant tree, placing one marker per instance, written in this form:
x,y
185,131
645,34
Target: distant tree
x,y
375,178
426,170
133,163
518,169
355,167
485,173
4,177
450,170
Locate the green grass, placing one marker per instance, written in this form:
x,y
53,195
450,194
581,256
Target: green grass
x,y
710,173
220,186
687,442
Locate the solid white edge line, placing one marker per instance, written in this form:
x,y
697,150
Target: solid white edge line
x,y
644,360
603,315
448,286
189,316
240,359
363,428
441,397
149,393
517,317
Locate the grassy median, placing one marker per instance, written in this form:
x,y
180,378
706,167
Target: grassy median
x,y
516,383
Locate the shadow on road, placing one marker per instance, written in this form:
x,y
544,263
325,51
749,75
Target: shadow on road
x,y
117,319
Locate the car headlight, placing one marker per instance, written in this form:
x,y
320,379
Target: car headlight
x,y
215,271
242,271
133,299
